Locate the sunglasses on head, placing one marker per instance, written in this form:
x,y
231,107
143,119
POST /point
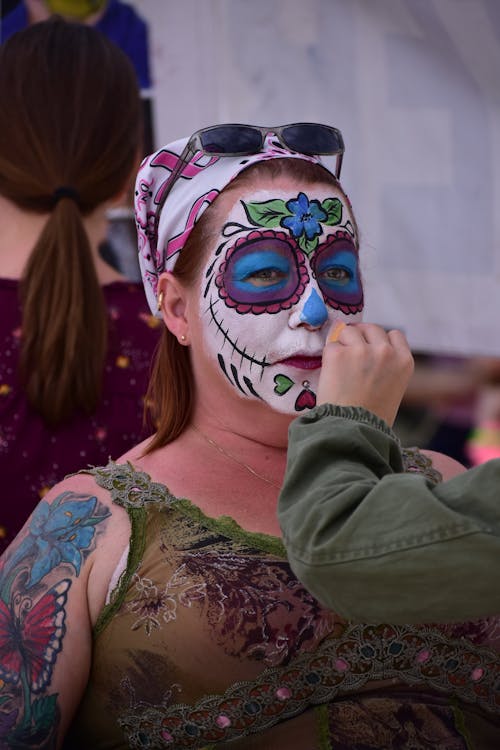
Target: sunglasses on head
x,y
309,138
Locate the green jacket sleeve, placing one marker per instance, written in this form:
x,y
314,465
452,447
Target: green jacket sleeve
x,y
376,544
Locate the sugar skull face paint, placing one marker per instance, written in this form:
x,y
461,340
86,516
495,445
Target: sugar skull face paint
x,y
284,267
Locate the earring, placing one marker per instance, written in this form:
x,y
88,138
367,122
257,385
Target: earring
x,y
160,300
183,338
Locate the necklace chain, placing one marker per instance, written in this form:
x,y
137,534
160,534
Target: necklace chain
x,y
226,453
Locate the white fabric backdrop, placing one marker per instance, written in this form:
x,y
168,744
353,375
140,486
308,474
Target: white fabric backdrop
x,y
414,85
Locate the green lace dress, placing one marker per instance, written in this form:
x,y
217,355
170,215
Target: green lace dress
x,y
209,641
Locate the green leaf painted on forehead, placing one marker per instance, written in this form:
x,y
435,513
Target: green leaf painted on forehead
x,y
266,213
333,210
308,245
283,384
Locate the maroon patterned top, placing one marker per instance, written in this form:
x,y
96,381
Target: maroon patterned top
x,y
33,456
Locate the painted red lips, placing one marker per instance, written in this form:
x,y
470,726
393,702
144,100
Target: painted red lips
x,y
302,362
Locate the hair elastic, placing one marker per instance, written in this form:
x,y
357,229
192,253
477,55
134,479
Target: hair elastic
x,y
65,191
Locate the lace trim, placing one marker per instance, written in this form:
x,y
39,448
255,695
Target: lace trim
x,y
228,527
133,490
415,461
129,487
364,653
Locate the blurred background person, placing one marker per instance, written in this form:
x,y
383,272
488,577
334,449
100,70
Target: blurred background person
x,y
121,23
76,336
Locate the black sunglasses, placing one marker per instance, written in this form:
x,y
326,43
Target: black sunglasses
x,y
308,138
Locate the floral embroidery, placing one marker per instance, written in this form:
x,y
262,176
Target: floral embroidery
x,y
256,608
373,722
483,631
154,604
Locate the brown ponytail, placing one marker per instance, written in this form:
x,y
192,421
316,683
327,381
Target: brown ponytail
x,y
64,320
70,116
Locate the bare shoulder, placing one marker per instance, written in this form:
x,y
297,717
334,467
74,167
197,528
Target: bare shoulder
x,y
49,599
112,526
83,530
447,466
82,494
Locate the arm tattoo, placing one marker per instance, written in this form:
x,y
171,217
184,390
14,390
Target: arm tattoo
x,y
35,577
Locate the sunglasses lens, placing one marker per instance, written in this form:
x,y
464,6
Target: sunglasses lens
x,y
231,139
309,138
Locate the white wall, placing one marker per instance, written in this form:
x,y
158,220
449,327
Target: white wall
x,y
415,87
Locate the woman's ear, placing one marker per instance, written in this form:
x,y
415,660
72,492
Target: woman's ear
x,y
172,303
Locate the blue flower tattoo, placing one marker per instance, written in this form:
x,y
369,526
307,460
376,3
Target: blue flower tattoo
x,y
58,533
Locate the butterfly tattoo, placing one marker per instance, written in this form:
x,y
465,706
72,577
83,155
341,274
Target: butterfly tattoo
x,y
31,637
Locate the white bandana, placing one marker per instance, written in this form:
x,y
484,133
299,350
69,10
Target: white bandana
x,y
201,181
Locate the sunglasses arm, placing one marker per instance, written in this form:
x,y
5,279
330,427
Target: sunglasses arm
x,y
338,165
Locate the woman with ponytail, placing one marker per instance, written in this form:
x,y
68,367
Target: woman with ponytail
x,y
75,335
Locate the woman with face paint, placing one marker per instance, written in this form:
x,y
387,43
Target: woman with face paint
x,y
171,618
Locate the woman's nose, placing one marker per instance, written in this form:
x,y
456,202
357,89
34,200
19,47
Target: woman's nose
x,y
311,312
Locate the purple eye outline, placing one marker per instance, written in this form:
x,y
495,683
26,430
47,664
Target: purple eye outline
x,y
260,307
345,239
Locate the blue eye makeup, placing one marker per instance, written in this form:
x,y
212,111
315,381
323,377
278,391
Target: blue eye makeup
x,y
336,269
261,271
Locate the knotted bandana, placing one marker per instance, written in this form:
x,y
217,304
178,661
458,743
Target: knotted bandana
x,y
201,181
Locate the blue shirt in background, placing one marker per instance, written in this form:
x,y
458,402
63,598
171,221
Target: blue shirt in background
x,y
120,23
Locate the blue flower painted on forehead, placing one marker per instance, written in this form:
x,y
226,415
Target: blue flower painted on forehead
x,y
303,218
306,217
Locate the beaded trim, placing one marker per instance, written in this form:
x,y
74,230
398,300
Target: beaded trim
x,y
364,653
415,462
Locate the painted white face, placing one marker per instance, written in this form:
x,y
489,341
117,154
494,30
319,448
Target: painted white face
x,y
284,267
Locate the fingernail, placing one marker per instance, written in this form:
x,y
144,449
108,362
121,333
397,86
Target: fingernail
x,y
336,331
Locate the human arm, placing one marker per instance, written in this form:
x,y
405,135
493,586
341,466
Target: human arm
x,y
376,544
372,542
45,615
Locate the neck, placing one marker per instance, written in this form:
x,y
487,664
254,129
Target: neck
x,y
21,230
253,424
249,434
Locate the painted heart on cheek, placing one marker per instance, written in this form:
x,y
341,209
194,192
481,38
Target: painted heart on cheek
x,y
282,384
305,400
